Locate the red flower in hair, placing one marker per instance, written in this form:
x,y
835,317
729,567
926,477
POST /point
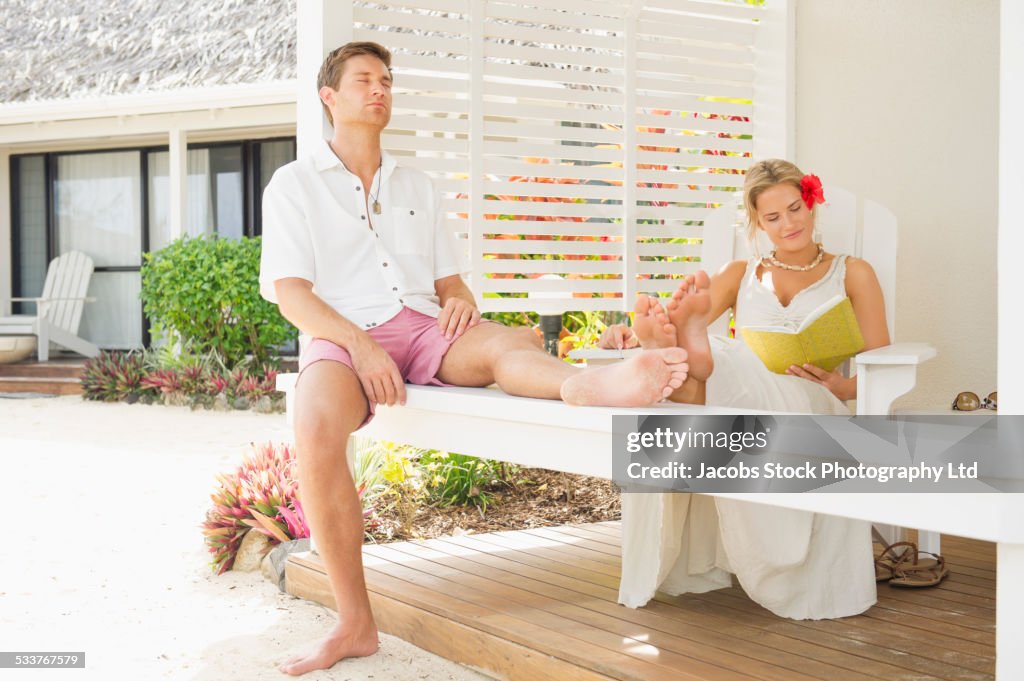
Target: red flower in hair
x,y
811,191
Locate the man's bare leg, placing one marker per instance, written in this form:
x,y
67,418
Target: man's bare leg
x,y
688,310
329,406
512,358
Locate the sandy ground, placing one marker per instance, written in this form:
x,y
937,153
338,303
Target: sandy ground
x,y
102,551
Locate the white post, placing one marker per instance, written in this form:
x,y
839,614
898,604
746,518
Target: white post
x,y
477,17
1010,370
629,158
177,180
775,82
6,255
322,26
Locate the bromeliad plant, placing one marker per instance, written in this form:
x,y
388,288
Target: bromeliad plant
x,y
261,495
114,376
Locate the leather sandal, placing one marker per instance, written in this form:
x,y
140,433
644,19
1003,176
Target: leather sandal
x,y
925,572
891,559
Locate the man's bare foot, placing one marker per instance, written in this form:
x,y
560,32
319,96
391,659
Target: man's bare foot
x,y
688,311
652,325
638,381
333,648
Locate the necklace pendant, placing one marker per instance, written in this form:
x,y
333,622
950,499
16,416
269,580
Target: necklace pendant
x,y
376,207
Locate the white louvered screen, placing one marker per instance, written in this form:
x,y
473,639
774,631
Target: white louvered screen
x,y
585,139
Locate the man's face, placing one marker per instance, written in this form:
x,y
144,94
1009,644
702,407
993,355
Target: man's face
x,y
363,96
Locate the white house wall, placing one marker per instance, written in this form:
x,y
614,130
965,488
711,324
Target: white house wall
x,y
899,101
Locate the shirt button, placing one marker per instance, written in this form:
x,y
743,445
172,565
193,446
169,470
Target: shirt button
x,y
358,188
412,212
385,264
394,288
363,217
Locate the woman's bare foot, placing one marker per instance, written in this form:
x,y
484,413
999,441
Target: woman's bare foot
x,y
688,311
638,381
652,325
336,646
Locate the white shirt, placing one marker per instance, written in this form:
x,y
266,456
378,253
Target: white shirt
x,y
317,227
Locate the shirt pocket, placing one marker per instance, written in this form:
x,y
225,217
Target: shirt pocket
x,y
413,230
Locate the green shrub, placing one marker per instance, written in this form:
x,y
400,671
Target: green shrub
x,y
460,480
204,293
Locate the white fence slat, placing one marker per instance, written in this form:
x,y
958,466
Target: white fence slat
x,y
733,54
553,209
551,286
429,124
691,122
416,102
511,266
551,93
559,151
553,36
566,55
684,66
557,133
420,21
410,41
580,20
555,75
543,305
550,228
577,191
453,6
726,10
570,112
666,86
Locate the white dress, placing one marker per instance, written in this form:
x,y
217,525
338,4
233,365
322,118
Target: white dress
x,y
796,564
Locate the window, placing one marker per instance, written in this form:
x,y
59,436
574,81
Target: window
x,y
114,206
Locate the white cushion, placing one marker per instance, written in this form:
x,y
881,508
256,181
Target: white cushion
x,y
16,348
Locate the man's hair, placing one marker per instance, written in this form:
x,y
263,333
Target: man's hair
x,y
334,65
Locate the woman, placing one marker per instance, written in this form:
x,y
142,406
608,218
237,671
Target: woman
x,y
797,564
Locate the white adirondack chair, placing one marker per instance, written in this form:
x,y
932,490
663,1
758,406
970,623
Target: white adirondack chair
x,y
59,309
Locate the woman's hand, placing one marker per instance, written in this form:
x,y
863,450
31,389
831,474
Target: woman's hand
x,y
840,386
618,337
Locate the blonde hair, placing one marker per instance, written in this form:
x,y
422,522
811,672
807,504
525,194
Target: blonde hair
x,y
764,175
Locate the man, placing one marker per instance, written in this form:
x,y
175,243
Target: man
x,y
357,256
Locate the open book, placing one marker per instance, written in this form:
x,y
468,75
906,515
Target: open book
x,y
827,338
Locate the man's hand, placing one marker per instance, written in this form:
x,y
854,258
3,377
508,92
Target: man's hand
x,y
382,381
618,337
840,386
457,315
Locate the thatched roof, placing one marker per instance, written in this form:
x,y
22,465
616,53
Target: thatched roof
x,y
82,48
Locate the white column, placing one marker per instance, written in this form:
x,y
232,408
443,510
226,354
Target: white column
x,y
1010,557
775,82
1010,368
177,170
322,26
6,256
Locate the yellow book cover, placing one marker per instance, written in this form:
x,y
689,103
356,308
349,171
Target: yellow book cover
x,y
827,338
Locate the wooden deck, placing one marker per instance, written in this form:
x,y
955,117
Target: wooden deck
x,y
60,375
541,604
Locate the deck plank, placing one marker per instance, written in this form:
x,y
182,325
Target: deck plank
x,y
541,604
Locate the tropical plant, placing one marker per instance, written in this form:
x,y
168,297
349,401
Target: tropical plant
x,y
204,294
261,495
457,479
113,376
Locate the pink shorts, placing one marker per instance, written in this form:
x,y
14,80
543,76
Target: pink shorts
x,y
411,338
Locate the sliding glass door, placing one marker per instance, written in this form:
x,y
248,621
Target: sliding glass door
x,y
97,210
